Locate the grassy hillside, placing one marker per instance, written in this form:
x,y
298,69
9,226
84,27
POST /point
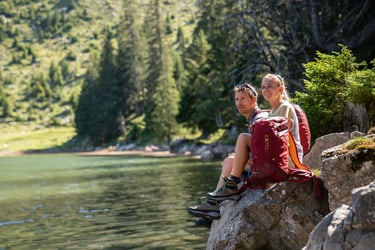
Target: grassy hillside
x,y
38,35
71,44
18,137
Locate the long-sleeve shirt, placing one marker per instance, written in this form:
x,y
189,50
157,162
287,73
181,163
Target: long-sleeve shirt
x,y
286,110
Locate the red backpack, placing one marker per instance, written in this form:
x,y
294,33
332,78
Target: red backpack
x,y
269,151
304,129
271,144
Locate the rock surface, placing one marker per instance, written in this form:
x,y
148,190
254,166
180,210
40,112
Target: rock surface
x,y
313,157
340,177
269,218
288,215
349,226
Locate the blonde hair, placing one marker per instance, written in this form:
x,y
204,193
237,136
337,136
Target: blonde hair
x,y
276,78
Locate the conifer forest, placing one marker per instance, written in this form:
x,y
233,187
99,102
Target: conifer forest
x,y
150,71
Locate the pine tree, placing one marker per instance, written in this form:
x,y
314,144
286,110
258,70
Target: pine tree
x,y
131,60
55,77
107,121
162,93
193,94
98,111
5,104
85,114
211,80
180,73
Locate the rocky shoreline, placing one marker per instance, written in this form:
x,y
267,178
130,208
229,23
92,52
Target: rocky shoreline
x,y
205,152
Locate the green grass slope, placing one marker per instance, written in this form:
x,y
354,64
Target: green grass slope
x,y
37,34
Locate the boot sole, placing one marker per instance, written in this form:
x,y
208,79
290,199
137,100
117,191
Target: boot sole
x,y
235,197
212,215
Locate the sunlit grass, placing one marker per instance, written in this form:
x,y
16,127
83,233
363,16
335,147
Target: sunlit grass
x,y
84,38
23,137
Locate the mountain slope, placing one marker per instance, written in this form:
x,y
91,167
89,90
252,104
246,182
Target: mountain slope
x,y
46,48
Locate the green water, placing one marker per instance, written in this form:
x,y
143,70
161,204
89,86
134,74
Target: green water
x,y
102,202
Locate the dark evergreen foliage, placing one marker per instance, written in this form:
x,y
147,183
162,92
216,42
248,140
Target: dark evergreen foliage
x,y
131,61
207,101
162,95
85,113
332,81
98,113
157,69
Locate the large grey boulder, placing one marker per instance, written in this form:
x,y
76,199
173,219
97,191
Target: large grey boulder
x,y
313,157
280,217
348,227
344,172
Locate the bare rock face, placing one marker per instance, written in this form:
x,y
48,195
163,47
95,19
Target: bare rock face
x,y
348,227
342,173
313,157
280,217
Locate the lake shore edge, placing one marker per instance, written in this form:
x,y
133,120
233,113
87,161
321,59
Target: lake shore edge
x,y
101,152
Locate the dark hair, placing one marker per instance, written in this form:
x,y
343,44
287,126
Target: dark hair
x,y
246,87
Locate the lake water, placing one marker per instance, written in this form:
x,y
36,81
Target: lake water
x,y
66,201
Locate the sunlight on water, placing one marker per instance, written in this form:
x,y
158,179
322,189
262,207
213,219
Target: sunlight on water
x,y
108,202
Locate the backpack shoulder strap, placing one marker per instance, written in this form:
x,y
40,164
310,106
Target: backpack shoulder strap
x,y
255,113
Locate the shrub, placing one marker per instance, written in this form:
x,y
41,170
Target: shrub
x,y
333,80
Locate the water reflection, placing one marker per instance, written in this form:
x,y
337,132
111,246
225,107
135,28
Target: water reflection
x,y
118,202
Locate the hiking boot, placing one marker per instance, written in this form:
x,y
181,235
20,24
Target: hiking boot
x,y
203,222
229,191
209,209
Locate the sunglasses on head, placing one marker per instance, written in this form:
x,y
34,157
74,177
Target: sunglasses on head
x,y
243,86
